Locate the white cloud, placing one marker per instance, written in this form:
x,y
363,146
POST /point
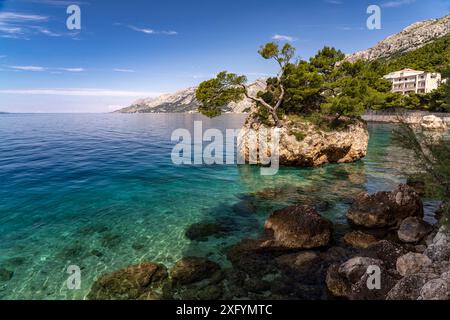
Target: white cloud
x,y
81,92
337,2
150,31
144,30
20,17
28,68
397,3
281,37
73,69
123,70
10,29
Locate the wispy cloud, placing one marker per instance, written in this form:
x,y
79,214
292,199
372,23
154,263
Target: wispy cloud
x,y
8,17
81,92
149,30
282,37
41,69
29,68
336,2
124,70
20,25
73,69
397,3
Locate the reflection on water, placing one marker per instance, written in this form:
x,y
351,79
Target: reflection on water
x,y
101,192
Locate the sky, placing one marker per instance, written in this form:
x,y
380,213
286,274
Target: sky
x,y
127,50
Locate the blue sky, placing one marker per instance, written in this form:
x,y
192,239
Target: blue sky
x,y
130,49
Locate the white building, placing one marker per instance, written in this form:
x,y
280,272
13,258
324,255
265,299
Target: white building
x,y
408,81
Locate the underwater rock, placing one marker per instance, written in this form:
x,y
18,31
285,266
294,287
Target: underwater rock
x,y
299,227
5,274
358,239
129,283
385,209
201,231
111,240
413,229
301,262
254,257
244,207
192,269
97,253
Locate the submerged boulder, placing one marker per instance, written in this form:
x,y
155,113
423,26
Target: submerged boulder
x,y
5,274
385,209
129,283
202,230
299,227
192,269
305,144
358,239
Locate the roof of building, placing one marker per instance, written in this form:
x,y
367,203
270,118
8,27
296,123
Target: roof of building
x,y
403,73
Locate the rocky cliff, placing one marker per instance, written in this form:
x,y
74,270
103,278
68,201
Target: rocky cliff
x,y
304,144
185,101
411,38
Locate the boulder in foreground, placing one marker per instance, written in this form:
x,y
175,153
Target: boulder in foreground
x,y
299,227
385,209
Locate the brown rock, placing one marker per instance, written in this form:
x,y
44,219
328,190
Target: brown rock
x,y
337,284
129,283
386,251
299,227
358,239
192,269
412,263
413,229
408,288
385,209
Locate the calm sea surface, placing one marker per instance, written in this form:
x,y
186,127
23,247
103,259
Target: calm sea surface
x,y
101,192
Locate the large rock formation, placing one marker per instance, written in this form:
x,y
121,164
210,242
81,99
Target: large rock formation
x,y
185,101
411,38
302,143
385,209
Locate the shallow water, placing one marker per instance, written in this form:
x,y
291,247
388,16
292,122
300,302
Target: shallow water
x,y
101,192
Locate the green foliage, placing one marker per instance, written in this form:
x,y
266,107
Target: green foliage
x,y
431,154
299,136
271,50
217,92
433,57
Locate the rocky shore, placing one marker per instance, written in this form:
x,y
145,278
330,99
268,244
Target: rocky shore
x,y
304,144
302,255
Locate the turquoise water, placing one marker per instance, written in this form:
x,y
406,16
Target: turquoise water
x,y
101,192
